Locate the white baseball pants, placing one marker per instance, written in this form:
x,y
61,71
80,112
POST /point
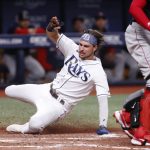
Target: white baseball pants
x,y
49,109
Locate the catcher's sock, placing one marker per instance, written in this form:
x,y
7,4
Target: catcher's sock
x,y
142,133
145,110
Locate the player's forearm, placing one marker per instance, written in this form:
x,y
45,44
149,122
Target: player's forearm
x,y
53,36
103,110
136,10
52,29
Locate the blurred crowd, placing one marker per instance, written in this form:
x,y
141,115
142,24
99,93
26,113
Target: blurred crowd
x,y
42,64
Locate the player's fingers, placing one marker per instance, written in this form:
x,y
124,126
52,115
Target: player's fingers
x,y
57,28
55,21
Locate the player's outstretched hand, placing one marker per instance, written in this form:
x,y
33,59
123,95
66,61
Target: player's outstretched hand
x,y
54,25
102,130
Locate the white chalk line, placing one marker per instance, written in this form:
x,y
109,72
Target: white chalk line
x,y
75,145
92,138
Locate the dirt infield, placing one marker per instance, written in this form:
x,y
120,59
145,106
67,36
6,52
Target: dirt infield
x,y
64,138
67,141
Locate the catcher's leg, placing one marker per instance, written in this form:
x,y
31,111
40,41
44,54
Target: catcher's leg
x,y
145,110
142,133
128,118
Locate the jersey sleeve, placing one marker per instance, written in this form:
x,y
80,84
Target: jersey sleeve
x,y
101,83
136,10
66,45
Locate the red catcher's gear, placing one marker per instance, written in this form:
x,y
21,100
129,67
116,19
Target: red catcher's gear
x,y
145,110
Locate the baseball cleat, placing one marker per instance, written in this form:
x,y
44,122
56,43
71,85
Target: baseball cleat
x,y
14,128
102,130
140,142
120,119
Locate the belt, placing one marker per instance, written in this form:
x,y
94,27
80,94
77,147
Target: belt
x,y
54,94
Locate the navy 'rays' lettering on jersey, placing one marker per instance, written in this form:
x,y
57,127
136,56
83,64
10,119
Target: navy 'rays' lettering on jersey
x,y
75,69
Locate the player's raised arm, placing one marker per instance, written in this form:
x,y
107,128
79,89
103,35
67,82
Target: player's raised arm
x,y
52,29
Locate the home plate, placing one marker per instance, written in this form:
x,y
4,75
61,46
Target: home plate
x,y
113,135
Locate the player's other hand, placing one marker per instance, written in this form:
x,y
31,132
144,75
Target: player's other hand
x,y
102,130
54,25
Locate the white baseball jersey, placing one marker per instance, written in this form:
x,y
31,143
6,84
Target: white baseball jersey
x,y
75,81
78,77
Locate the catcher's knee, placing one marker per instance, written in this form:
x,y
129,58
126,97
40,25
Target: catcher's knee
x,y
136,114
132,99
132,106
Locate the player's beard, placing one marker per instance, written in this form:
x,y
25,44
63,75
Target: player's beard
x,y
87,57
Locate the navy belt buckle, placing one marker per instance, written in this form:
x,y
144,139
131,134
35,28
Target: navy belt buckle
x,y
62,101
54,94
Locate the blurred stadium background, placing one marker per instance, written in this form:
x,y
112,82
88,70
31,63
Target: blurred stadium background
x,y
111,16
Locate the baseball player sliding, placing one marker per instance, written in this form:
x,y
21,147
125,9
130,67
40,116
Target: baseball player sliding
x,y
135,116
81,72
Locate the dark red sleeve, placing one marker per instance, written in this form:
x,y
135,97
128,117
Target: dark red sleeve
x,y
136,10
42,58
21,31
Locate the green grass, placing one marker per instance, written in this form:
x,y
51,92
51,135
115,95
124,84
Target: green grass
x,y
85,114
